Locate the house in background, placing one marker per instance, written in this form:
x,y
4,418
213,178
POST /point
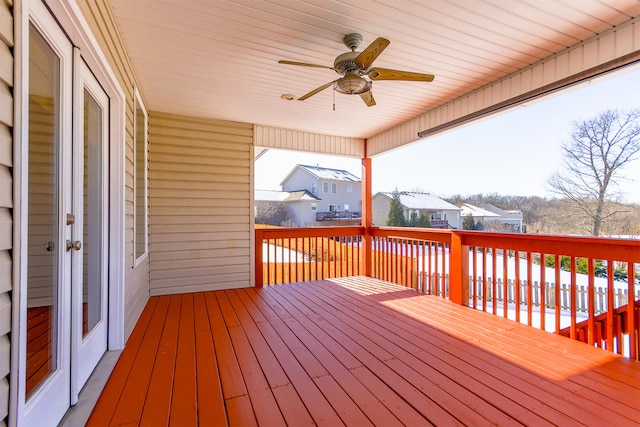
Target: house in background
x,y
441,213
338,194
490,217
512,220
299,207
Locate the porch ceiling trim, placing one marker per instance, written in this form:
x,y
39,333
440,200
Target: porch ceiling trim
x,y
603,53
288,139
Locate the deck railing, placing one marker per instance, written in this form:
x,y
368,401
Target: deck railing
x,y
585,288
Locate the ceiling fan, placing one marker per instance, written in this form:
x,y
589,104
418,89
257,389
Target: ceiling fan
x,y
356,71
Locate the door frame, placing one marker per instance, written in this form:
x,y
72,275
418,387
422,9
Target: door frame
x,y
69,16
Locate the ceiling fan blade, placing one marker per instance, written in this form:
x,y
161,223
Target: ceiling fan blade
x,y
305,64
367,56
387,74
367,97
313,92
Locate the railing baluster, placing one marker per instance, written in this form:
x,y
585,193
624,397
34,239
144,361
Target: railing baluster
x,y
574,297
558,306
529,291
543,291
494,287
631,312
591,306
505,283
517,288
484,279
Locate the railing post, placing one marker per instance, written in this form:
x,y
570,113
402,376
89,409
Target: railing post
x,y
366,256
458,270
258,257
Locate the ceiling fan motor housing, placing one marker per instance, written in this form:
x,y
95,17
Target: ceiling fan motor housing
x,y
345,64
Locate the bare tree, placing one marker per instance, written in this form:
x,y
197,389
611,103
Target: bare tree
x,y
274,214
593,159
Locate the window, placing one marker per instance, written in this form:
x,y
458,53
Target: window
x,y
314,187
334,187
346,208
350,188
314,206
140,179
325,187
334,208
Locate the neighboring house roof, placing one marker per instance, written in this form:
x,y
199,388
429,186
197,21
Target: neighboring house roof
x,y
324,173
422,201
283,196
301,195
504,214
477,212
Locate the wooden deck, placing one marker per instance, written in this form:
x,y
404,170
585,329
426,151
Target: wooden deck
x,y
355,351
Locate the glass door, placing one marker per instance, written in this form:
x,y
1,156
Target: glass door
x,y
89,301
47,366
67,255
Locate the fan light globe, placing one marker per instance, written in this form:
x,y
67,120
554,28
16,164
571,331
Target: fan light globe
x,y
353,84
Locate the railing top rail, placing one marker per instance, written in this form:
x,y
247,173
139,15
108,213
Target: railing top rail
x,y
280,233
579,246
431,234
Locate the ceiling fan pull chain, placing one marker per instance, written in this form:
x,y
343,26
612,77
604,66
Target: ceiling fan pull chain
x,y
334,100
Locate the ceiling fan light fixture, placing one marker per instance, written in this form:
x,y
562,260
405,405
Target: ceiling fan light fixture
x,y
353,84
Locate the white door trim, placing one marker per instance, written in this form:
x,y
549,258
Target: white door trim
x,y
70,17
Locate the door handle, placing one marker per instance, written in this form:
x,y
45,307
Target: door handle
x,y
77,245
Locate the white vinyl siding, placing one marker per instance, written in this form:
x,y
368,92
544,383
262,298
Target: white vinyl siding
x,y
6,199
200,204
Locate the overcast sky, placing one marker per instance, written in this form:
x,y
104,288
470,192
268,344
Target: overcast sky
x,y
510,154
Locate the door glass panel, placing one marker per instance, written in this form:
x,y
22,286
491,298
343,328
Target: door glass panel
x,y
92,196
43,228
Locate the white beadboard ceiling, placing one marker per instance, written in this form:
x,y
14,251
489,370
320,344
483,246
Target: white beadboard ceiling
x,y
219,59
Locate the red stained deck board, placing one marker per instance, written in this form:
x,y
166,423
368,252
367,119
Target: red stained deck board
x,y
211,409
184,401
105,408
230,373
158,402
355,351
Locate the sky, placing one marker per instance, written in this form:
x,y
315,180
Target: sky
x,y
512,153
